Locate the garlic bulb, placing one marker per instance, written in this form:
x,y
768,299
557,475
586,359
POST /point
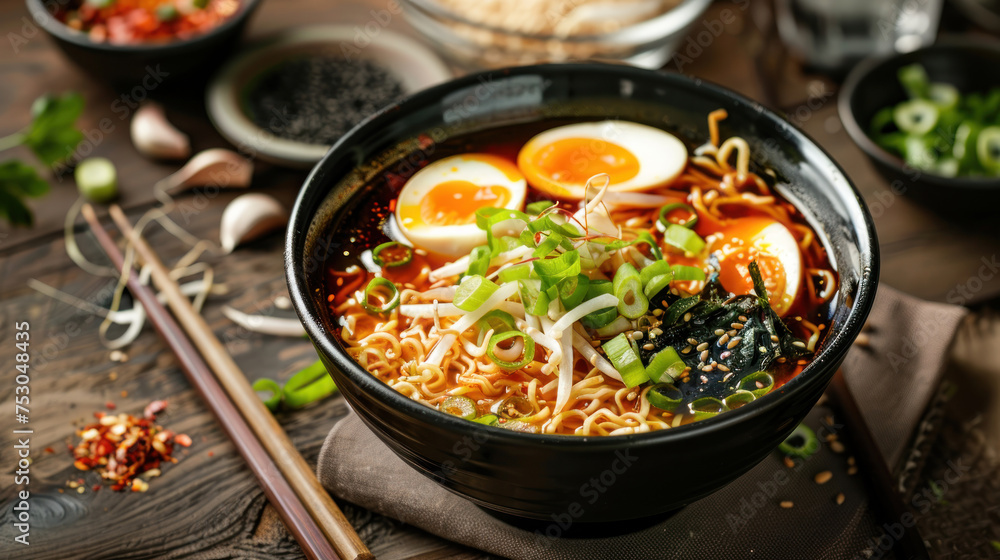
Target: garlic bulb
x,y
154,136
216,167
248,217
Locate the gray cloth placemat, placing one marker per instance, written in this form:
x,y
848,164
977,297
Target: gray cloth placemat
x,y
892,378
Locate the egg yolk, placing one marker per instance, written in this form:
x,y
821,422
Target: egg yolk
x,y
453,203
738,250
576,160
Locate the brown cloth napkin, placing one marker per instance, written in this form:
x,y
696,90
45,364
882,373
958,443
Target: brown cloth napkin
x,y
893,377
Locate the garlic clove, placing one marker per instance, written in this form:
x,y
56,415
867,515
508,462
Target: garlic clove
x,y
154,136
248,217
216,167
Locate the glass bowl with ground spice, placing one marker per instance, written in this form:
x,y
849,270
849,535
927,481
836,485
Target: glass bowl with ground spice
x,y
497,33
290,97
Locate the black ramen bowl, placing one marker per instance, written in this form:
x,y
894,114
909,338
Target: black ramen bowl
x,y
145,65
969,65
591,479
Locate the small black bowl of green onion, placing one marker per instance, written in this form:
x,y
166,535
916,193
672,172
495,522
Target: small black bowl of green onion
x,y
930,121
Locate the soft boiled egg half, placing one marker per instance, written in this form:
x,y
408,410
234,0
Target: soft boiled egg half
x,y
777,254
636,157
436,209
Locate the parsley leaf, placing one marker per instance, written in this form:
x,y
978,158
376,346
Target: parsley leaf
x,y
52,134
17,181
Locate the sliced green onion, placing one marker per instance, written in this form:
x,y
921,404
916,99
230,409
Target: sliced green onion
x,y
914,80
654,269
271,387
627,287
546,223
945,96
536,208
534,299
167,12
759,383
379,284
551,271
496,320
657,285
549,244
472,292
666,366
683,238
988,149
625,360
642,236
513,408
573,291
386,254
917,116
684,273
802,442
527,355
487,419
665,397
706,407
311,384
664,220
97,179
515,272
460,406
601,317
484,214
738,399
479,261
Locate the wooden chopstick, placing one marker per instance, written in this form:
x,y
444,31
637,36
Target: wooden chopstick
x,y
271,435
908,545
314,543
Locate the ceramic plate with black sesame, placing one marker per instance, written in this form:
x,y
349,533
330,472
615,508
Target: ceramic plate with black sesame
x,y
288,98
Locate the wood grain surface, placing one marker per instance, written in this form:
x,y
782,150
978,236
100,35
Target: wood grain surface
x,y
207,505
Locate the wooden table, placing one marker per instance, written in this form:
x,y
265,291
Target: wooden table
x,y
208,504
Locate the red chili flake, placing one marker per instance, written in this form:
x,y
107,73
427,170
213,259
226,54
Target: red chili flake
x,y
211,453
121,447
183,440
49,450
110,405
96,487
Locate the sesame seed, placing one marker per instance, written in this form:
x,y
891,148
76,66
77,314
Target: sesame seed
x,y
737,326
655,331
693,341
732,343
781,360
731,332
852,470
723,339
789,462
787,504
799,343
840,498
687,350
743,318
702,346
725,355
704,356
636,335
704,379
774,338
850,460
837,447
723,368
759,384
687,317
657,312
719,332
708,368
648,346
685,380
823,477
